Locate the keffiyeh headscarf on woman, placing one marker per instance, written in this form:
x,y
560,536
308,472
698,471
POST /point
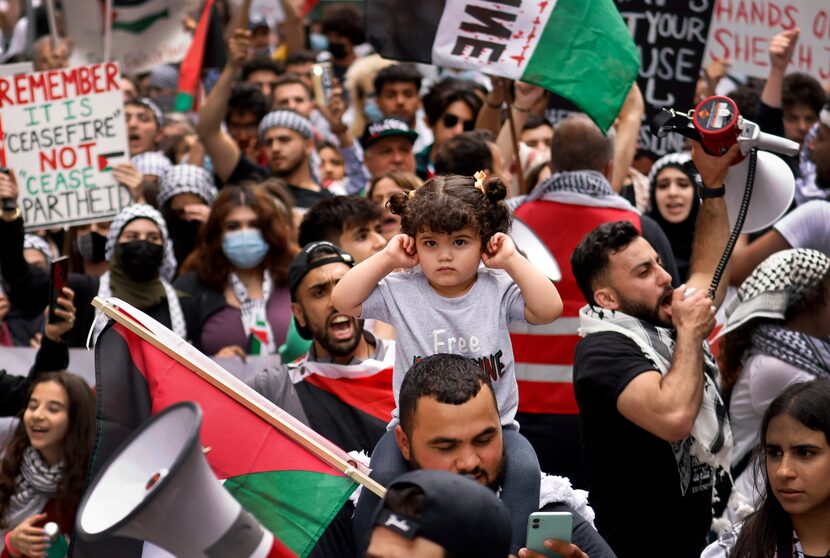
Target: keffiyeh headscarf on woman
x,y
141,294
34,242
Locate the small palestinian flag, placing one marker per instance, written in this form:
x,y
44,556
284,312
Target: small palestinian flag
x,y
206,51
292,492
104,160
577,49
137,16
259,337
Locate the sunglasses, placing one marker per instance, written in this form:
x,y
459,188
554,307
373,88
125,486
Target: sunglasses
x,y
451,121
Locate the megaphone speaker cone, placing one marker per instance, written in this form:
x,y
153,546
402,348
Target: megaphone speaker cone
x,y
772,193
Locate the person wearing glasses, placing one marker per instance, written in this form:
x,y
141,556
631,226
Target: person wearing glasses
x,y
451,108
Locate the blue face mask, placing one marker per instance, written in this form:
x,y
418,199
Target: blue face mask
x,y
318,42
371,110
245,249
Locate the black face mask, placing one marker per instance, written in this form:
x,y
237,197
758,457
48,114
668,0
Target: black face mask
x,y
92,247
337,50
141,259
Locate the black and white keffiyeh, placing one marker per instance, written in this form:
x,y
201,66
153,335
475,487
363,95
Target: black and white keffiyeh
x,y
35,485
152,162
34,242
722,548
255,313
186,179
797,349
589,188
711,439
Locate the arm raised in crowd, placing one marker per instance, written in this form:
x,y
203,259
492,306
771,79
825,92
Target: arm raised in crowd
x,y
781,48
219,145
628,132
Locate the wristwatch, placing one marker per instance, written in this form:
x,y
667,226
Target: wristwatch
x,y
9,217
707,193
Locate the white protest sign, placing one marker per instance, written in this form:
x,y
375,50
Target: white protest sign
x,y
62,131
145,33
741,31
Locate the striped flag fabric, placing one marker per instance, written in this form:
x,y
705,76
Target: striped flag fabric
x,y
577,49
137,16
290,490
207,50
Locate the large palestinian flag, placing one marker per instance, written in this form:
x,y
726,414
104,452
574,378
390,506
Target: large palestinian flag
x,y
288,489
348,404
580,50
206,51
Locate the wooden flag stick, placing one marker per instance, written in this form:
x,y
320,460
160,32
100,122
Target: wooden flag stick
x,y
514,137
108,31
53,26
276,417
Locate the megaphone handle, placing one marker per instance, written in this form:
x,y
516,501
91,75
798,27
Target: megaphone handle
x,y
739,224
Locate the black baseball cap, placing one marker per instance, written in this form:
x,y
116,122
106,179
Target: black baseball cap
x,y
464,517
386,128
314,254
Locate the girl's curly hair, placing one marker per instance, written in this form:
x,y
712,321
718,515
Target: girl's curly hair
x,y
449,203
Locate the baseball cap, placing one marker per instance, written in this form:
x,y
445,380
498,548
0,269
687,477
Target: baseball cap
x,y
386,128
459,514
256,22
314,254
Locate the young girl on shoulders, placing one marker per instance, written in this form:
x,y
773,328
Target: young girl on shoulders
x,y
444,301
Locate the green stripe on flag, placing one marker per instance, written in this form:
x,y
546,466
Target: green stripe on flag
x,y
297,506
140,25
183,102
586,55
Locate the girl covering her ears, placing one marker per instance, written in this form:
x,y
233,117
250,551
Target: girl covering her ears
x,y
44,465
793,517
446,302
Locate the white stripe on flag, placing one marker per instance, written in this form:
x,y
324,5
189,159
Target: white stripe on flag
x,y
562,326
544,373
493,36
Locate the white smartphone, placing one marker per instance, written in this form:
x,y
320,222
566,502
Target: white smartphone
x,y
548,525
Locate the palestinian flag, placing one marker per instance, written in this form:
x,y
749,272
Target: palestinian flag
x,y
577,49
292,492
348,404
207,50
137,16
104,164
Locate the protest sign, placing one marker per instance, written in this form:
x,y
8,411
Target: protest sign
x,y
145,33
62,131
742,29
671,38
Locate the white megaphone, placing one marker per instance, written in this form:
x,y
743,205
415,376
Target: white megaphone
x,y
158,487
717,125
534,249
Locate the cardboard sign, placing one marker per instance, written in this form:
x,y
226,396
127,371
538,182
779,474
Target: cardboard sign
x,y
742,29
145,33
62,131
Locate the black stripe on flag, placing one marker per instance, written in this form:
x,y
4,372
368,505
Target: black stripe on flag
x,y
403,29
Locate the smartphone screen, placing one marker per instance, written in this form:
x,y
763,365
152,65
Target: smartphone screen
x,y
58,274
548,525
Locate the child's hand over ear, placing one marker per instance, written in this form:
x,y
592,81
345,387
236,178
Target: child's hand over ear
x,y
499,250
401,250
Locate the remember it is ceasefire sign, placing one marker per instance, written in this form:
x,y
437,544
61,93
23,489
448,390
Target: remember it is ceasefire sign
x,y
61,132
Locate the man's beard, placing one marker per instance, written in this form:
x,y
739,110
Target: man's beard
x,y
285,173
493,483
333,346
644,312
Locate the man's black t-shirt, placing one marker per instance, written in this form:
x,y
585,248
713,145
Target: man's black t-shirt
x,y
304,198
645,506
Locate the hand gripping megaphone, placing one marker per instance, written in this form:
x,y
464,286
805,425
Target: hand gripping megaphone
x,y
717,125
158,487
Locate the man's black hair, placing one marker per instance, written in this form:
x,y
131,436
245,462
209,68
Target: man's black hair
x,y
247,97
447,92
589,260
398,73
464,154
449,379
300,57
328,218
345,20
260,64
535,121
801,88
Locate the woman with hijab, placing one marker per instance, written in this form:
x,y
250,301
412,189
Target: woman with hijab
x,y
674,204
238,274
141,264
185,195
776,334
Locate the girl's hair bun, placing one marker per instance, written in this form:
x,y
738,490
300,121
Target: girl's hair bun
x,y
494,189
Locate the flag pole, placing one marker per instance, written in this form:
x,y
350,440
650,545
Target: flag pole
x,y
53,26
515,139
282,421
108,31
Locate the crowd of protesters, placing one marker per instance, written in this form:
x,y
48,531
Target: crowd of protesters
x,y
371,223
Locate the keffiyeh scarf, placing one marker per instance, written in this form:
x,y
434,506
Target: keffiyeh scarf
x,y
36,484
797,349
255,315
722,548
711,438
